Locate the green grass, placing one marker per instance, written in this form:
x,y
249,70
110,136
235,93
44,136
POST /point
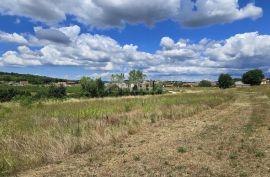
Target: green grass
x,y
47,132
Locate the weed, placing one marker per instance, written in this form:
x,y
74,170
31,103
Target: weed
x,y
259,154
233,156
136,158
181,150
243,174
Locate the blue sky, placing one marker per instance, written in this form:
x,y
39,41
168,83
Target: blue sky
x,y
174,40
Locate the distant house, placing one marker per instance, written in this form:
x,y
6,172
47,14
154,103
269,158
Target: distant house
x,y
122,85
265,82
70,83
126,85
61,83
23,83
240,84
189,85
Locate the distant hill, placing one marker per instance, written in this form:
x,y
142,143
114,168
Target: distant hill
x,y
32,79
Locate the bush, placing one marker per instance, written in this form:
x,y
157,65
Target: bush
x,y
157,89
114,90
253,77
41,94
57,92
11,93
225,81
205,83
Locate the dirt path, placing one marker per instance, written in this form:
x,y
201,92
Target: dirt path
x,y
212,143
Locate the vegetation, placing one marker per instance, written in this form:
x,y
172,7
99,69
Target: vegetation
x,y
253,77
10,93
47,132
57,92
33,79
135,77
92,88
225,81
118,78
205,83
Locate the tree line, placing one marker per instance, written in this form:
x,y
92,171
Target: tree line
x,y
120,87
96,87
89,88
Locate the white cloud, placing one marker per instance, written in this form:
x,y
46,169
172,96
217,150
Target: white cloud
x,y
13,38
103,55
12,58
116,13
207,12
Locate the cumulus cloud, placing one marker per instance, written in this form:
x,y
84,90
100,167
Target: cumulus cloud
x,y
175,59
95,52
13,38
116,13
52,35
206,12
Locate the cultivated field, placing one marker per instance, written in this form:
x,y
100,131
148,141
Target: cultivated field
x,y
197,132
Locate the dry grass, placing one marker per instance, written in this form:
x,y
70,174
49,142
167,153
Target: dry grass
x,y
231,139
48,132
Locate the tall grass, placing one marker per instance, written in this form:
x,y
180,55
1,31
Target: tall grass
x,y
47,132
263,90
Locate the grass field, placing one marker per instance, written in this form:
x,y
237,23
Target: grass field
x,y
204,132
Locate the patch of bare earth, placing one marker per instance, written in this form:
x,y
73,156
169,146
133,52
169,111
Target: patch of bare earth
x,y
217,142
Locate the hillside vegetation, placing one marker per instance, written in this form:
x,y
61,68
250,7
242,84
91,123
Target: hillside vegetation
x,y
32,79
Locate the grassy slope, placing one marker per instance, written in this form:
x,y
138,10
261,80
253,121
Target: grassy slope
x,y
46,133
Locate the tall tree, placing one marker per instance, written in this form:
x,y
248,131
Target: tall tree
x,y
118,78
253,77
225,81
136,77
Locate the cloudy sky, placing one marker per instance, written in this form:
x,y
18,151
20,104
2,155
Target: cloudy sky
x,y
185,40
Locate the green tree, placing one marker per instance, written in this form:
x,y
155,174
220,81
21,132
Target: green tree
x,y
100,87
136,77
225,81
253,77
205,83
92,88
118,78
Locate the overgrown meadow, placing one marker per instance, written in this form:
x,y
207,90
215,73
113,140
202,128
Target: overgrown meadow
x,y
46,132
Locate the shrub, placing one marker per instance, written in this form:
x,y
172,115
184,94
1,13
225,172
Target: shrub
x,y
157,89
11,93
205,83
57,92
114,90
